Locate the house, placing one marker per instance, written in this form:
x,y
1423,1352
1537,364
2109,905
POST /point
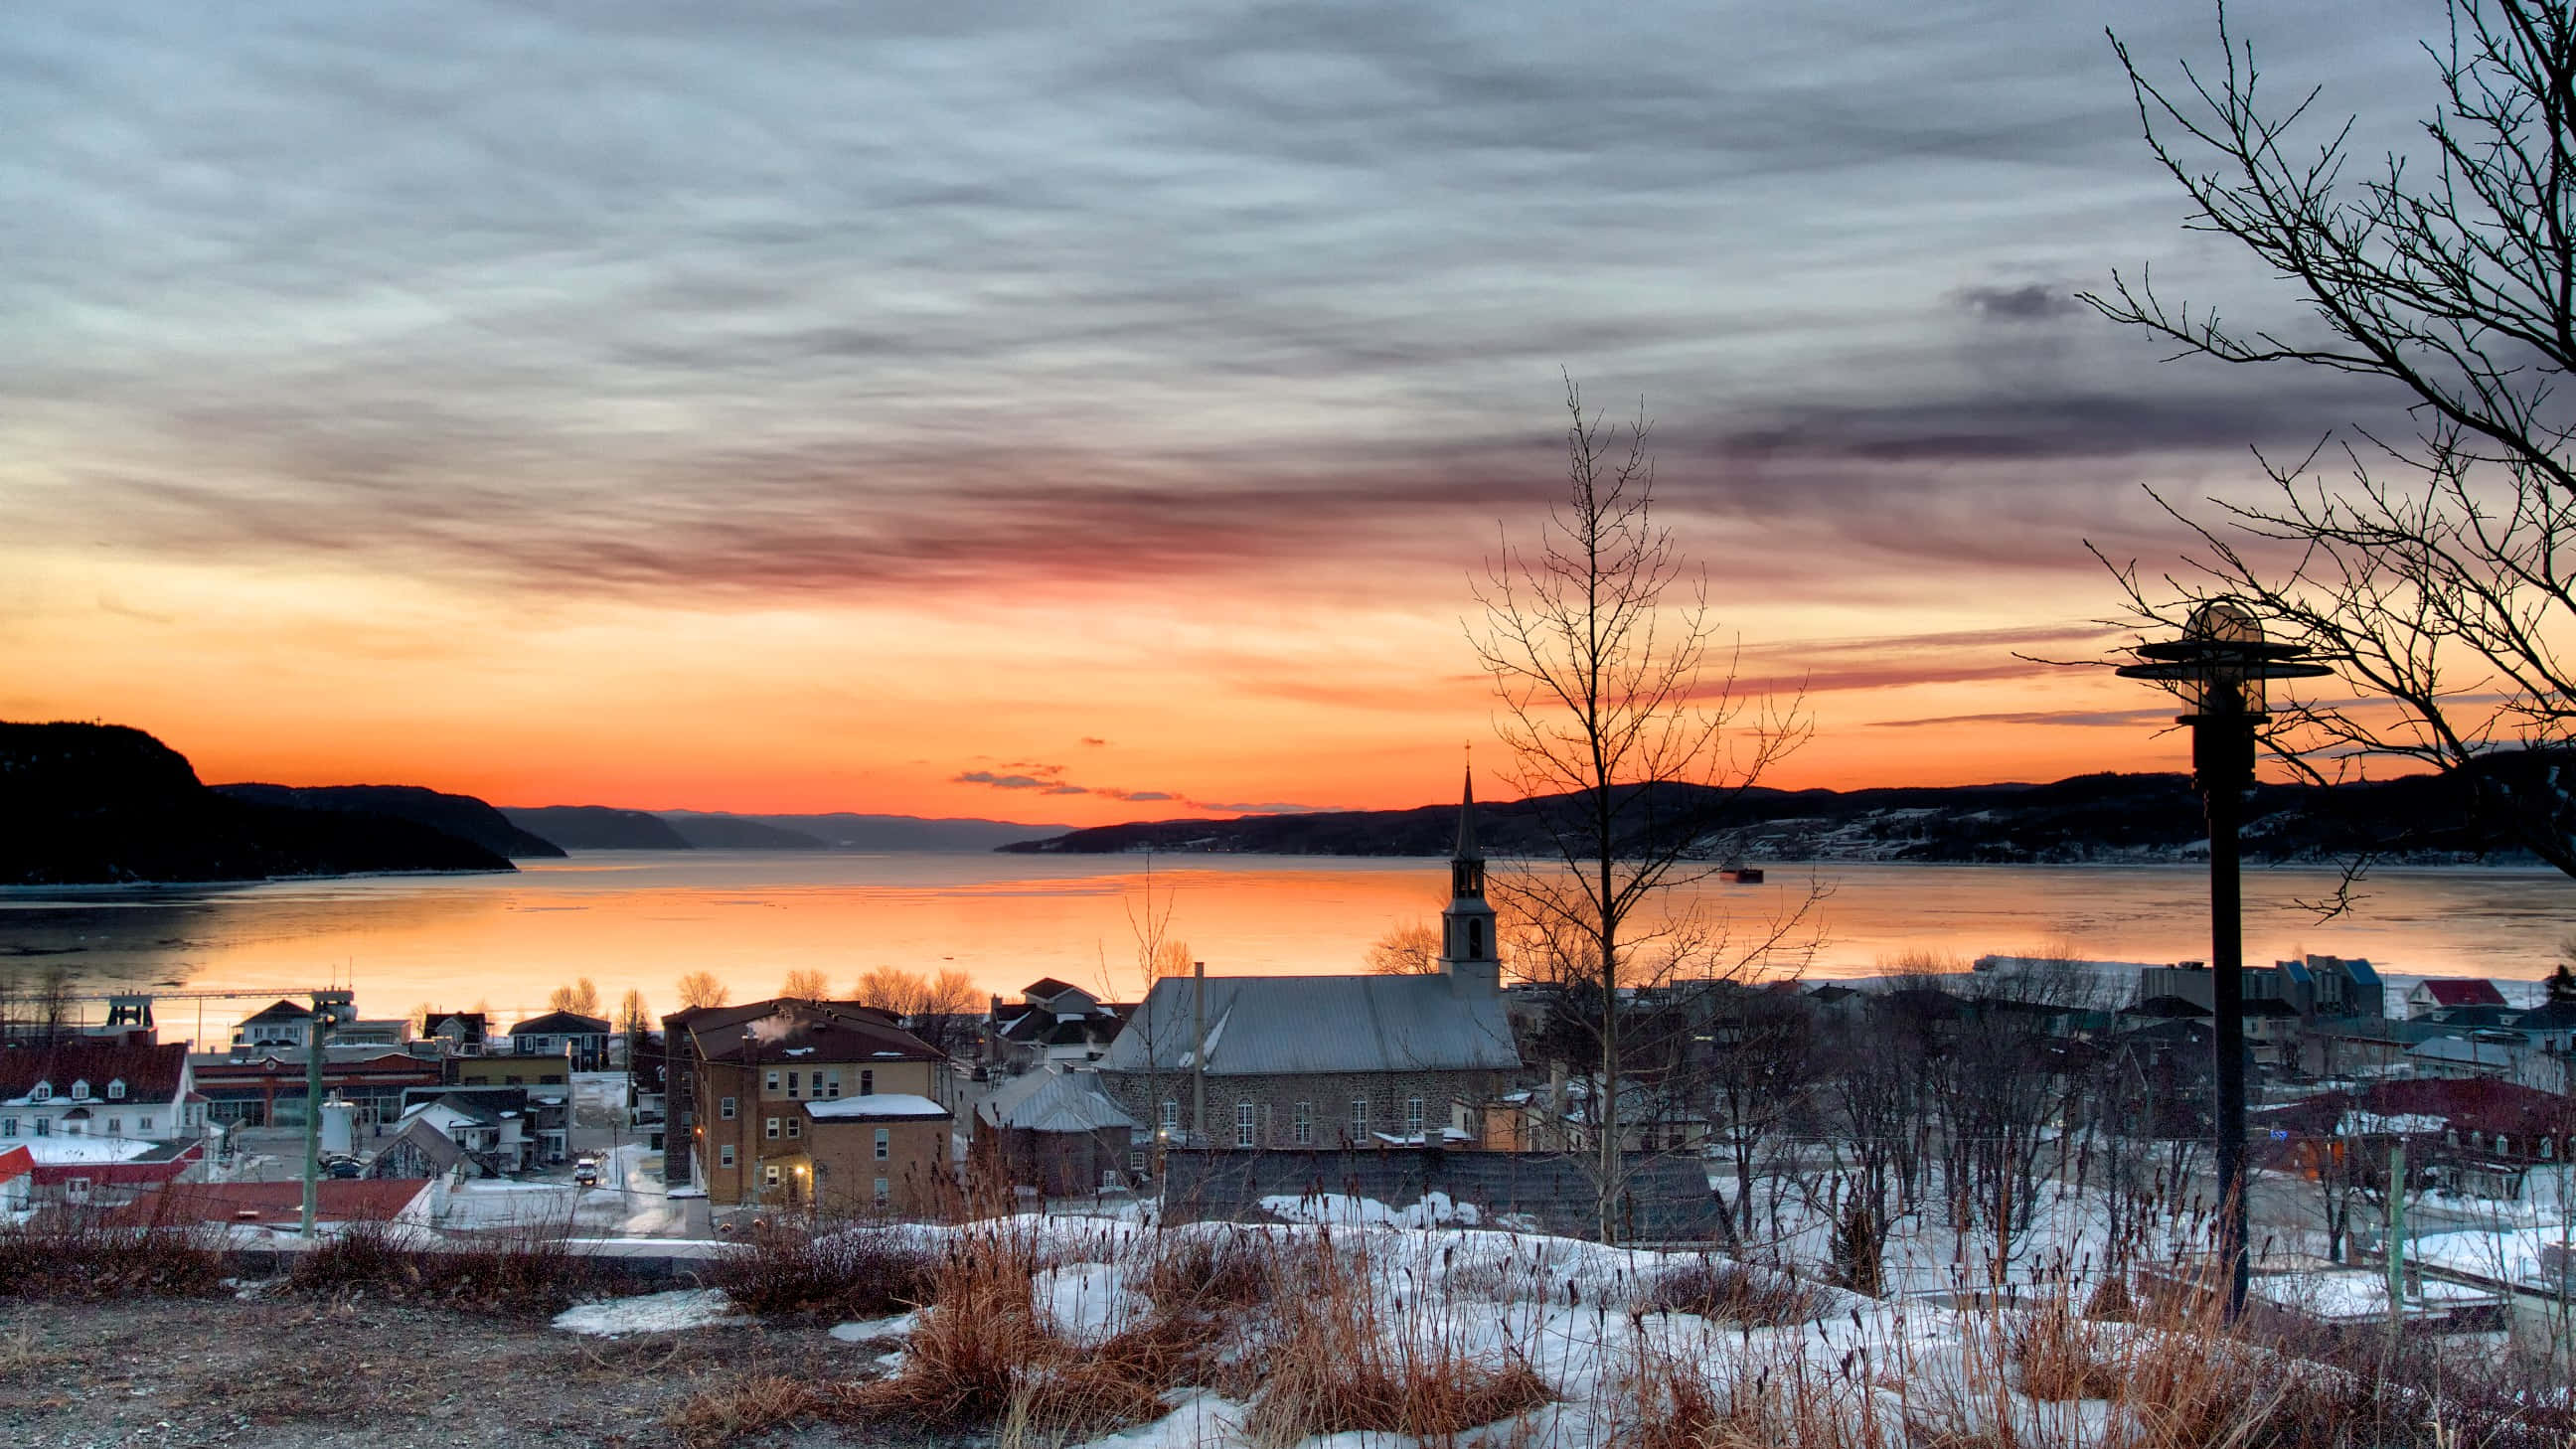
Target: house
x,y
886,1152
560,1033
2435,992
2314,985
287,1023
427,1144
2462,1057
17,1183
2475,1136
458,1033
515,1128
97,1086
1055,1130
265,1086
740,1075
86,1170
1313,1061
1053,1022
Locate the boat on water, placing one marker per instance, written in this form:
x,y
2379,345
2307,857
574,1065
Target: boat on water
x,y
1738,873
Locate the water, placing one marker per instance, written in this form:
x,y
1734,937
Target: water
x,y
643,919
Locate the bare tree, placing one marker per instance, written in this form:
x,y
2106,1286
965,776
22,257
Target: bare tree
x,y
581,998
1409,950
703,989
805,983
2438,573
930,1006
1624,730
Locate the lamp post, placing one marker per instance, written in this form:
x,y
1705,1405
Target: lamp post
x,y
2217,669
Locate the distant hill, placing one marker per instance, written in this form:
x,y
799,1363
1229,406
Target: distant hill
x,y
597,827
462,816
846,831
2107,817
736,832
101,804
601,827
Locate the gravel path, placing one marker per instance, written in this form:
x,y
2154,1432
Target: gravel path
x,y
370,1375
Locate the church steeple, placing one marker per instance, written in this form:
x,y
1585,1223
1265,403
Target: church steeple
x,y
1467,922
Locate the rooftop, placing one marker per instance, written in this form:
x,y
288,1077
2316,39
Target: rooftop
x,y
1258,1025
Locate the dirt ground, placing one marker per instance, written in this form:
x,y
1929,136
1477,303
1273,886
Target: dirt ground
x,y
299,1374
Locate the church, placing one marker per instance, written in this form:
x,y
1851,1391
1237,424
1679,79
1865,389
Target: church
x,y
1328,1061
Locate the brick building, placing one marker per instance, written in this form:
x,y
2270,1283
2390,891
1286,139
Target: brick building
x,y
741,1077
1323,1061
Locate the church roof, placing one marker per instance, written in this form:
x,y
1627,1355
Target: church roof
x,y
1262,1025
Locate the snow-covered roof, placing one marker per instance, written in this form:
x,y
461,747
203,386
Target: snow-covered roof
x,y
876,1107
1261,1025
78,1149
1053,1101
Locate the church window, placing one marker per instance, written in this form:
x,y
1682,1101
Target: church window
x,y
1304,1123
1475,940
1243,1124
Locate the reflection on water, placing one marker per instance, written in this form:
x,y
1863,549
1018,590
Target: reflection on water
x,y
643,919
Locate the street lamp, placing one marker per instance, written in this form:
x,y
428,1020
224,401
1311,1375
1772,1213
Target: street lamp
x,y
2217,669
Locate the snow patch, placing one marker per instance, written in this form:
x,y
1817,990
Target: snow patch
x,y
671,1312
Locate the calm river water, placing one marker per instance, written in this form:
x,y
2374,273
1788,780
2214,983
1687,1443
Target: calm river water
x,y
643,919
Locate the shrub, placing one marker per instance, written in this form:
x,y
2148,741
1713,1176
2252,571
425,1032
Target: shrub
x,y
751,1404
82,1254
856,1271
1732,1293
532,1273
1234,1268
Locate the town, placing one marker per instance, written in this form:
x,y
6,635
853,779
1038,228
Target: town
x,y
1912,1133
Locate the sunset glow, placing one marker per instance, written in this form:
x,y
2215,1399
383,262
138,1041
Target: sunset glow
x,y
964,419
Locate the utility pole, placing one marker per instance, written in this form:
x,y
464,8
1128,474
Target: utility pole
x,y
1198,1053
750,1105
2396,1243
325,1005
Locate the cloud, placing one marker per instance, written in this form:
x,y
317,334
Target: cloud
x,y
2081,719
1006,782
1093,741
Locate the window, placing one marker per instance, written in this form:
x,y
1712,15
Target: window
x,y
1304,1123
769,1175
115,1126
885,1190
885,1143
116,1090
1413,1116
724,1155
1136,1161
773,1079
1171,1116
831,1083
1359,1118
80,1091
794,1084
867,1084
43,1092
514,1080
771,1129
795,1126
1243,1120
44,1127
8,1126
724,1109
1475,939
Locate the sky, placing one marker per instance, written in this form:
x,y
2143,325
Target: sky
x,y
1075,413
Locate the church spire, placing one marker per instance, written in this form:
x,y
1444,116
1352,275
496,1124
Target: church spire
x,y
1467,821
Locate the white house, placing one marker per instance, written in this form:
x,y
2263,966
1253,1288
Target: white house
x,y
100,1088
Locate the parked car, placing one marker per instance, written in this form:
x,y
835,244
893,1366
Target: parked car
x,y
346,1168
586,1172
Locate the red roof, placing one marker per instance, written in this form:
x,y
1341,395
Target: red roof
x,y
365,1199
150,1073
2459,991
16,1162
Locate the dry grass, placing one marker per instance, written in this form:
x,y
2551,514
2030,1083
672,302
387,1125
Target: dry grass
x,y
1234,1269
752,1404
1328,1367
78,1254
1732,1293
2057,1356
531,1273
828,1272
